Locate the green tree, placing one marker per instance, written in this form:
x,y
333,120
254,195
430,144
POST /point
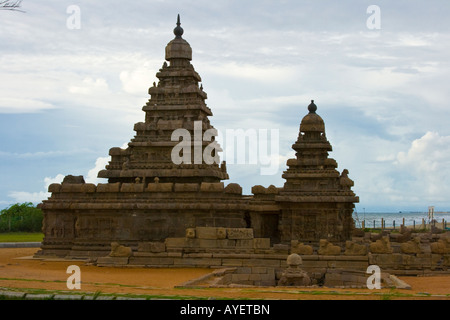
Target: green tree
x,y
23,217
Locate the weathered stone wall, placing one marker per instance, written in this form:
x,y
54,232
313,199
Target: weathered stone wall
x,y
82,218
210,225
257,262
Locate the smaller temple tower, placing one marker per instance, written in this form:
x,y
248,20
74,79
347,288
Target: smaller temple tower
x,y
316,201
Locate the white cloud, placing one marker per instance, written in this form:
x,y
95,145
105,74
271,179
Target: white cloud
x,y
23,105
259,73
138,80
428,162
89,86
43,154
100,164
49,180
36,197
23,196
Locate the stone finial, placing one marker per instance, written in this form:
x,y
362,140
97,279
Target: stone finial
x,y
178,31
294,275
294,260
312,107
156,180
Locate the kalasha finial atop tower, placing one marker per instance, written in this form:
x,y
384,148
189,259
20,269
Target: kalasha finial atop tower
x,y
178,31
312,107
312,122
178,48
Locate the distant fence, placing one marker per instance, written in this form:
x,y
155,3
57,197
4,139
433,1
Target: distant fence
x,y
421,225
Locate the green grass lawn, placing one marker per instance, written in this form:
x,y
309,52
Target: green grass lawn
x,y
21,237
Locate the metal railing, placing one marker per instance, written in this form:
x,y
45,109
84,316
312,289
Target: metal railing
x,y
423,225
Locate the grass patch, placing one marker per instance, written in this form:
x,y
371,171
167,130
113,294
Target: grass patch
x,y
21,237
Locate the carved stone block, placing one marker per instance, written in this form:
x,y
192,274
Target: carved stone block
x,y
261,243
381,246
155,247
71,187
212,187
412,246
54,188
108,187
354,249
327,248
240,233
233,188
160,187
118,250
301,248
186,187
206,233
132,187
190,233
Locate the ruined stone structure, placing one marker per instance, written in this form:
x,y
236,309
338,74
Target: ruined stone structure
x,y
149,197
158,213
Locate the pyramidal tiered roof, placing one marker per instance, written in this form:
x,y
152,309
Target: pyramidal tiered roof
x,y
312,172
177,102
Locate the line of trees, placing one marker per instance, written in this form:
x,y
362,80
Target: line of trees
x,y
23,217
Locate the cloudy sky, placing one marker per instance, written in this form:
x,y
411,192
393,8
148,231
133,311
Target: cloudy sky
x,y
74,77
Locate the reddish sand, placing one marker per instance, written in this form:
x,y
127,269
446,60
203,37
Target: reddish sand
x,y
22,274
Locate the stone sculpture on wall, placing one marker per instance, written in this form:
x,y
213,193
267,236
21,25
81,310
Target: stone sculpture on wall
x,y
381,246
327,248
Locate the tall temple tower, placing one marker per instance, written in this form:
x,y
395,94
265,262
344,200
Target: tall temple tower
x,y
317,201
177,102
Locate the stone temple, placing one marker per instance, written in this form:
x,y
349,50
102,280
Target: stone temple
x,y
185,215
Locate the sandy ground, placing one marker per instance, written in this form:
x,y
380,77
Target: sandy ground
x,y
25,274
